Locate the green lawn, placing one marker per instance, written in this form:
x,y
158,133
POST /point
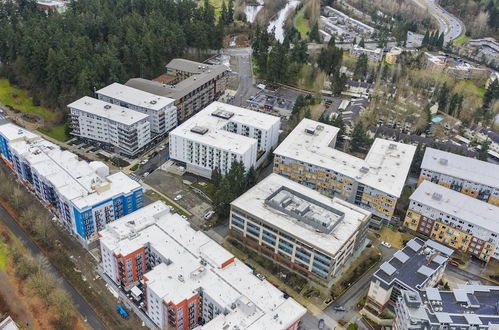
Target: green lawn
x,y
461,40
19,99
301,24
480,91
56,132
3,256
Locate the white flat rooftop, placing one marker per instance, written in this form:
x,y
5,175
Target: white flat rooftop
x,y
171,237
461,206
136,97
13,132
465,168
76,180
253,202
385,167
213,126
108,110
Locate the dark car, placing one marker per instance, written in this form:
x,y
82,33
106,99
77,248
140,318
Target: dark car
x,y
339,308
321,324
453,263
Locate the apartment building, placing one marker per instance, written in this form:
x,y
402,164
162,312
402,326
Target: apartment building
x,y
304,230
222,133
374,55
161,110
83,196
469,176
189,281
120,130
467,307
454,219
417,266
192,85
375,183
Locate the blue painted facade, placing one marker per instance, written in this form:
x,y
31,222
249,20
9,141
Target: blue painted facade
x,y
4,148
122,205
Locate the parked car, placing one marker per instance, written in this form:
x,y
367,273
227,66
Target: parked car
x,y
386,244
146,174
209,214
178,197
322,324
339,308
260,277
453,263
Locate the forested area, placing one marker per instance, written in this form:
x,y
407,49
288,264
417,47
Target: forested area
x,y
481,17
60,57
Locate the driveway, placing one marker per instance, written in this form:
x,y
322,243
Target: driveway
x,y
350,298
246,88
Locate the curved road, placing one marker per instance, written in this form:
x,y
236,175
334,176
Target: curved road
x,y
450,25
81,305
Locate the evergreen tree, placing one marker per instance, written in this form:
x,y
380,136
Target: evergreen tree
x,y
338,83
440,41
251,177
224,15
427,114
359,139
230,12
338,122
314,33
426,39
216,177
361,67
491,94
308,113
362,43
443,96
483,154
332,42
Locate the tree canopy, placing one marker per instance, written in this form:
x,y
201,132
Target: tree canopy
x,y
97,42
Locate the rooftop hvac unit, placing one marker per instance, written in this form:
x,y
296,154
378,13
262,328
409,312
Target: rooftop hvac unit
x,y
107,107
437,196
443,161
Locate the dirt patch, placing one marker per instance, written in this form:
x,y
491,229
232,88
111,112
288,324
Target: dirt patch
x,y
30,118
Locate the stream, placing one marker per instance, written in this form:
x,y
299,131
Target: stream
x,y
278,22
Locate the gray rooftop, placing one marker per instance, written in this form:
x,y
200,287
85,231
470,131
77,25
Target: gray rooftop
x,y
465,168
467,305
458,205
184,87
414,264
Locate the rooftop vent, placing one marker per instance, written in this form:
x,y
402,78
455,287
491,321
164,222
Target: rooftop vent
x,y
392,146
437,196
319,127
199,130
221,113
153,102
107,106
443,161
364,169
310,131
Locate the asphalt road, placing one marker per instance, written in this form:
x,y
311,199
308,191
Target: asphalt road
x,y
81,305
450,25
154,162
245,88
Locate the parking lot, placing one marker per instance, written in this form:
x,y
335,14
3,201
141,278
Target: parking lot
x,y
172,185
